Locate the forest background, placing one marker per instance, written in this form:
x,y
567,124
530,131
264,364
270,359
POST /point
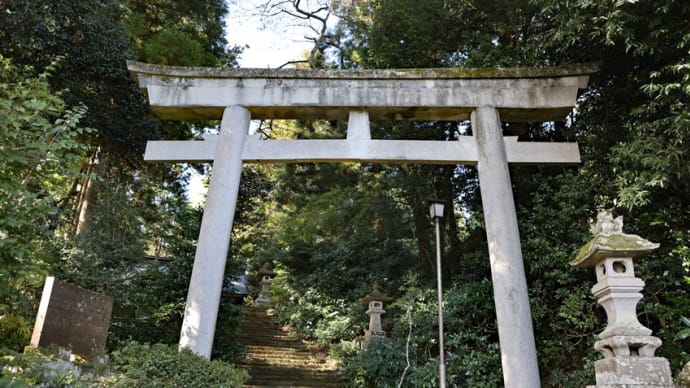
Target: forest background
x,y
78,202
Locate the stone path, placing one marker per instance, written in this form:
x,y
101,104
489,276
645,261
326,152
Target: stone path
x,y
277,358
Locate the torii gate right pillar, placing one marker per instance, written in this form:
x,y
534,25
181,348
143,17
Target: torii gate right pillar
x,y
515,332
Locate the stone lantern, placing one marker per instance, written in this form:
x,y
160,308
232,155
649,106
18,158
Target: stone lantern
x,y
375,299
266,273
627,346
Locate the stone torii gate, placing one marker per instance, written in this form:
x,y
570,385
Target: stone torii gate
x,y
484,96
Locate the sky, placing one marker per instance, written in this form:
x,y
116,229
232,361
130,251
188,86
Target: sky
x,y
271,42
269,47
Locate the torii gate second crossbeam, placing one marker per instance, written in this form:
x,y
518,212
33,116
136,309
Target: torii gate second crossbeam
x,y
483,96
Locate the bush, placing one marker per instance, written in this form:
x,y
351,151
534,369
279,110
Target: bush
x,y
144,365
47,367
380,365
14,332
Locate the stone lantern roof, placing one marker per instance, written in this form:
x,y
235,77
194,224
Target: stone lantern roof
x,y
376,295
610,242
267,270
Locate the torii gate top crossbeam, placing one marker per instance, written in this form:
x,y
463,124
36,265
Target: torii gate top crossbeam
x,y
520,94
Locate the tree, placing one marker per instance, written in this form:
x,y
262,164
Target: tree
x,y
115,208
179,33
40,153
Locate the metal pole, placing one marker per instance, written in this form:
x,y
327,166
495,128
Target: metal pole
x,y
442,363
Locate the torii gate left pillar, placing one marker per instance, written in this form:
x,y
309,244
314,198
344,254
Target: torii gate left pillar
x,y
514,94
205,286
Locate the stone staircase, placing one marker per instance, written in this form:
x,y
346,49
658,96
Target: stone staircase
x,y
277,358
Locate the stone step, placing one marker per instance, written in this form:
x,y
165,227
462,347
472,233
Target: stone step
x,y
288,342
259,332
270,370
277,358
282,385
285,385
311,364
295,379
274,359
265,348
294,384
267,337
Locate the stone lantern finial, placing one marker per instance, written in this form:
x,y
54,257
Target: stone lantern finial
x,y
375,299
627,346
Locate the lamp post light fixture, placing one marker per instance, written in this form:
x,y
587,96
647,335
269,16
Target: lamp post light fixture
x,y
436,213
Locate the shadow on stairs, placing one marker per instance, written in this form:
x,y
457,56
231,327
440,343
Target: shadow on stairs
x,y
277,358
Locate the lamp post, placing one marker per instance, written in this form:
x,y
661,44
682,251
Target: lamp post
x,y
436,212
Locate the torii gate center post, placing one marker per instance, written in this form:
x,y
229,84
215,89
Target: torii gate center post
x,y
486,96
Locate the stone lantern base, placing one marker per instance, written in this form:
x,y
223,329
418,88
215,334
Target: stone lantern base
x,y
633,372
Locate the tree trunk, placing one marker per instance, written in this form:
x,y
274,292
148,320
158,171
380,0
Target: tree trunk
x,y
89,194
451,264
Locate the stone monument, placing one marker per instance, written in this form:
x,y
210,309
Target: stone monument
x,y
375,299
266,273
627,346
72,317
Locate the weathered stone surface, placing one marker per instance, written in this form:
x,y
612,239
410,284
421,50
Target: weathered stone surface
x,y
627,346
206,283
684,375
266,273
72,317
610,242
633,371
461,151
615,245
522,94
515,331
375,299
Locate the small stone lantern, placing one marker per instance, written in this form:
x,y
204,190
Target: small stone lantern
x,y
627,346
375,299
266,273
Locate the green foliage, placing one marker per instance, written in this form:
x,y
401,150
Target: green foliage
x,y
88,36
380,365
136,364
15,332
39,152
173,47
335,228
163,365
114,237
169,32
313,313
472,356
685,332
48,367
632,128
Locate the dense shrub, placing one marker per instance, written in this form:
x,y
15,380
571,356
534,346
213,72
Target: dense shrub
x,y
14,332
135,365
144,365
48,367
380,365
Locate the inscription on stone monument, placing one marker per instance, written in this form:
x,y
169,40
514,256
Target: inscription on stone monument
x,y
72,317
